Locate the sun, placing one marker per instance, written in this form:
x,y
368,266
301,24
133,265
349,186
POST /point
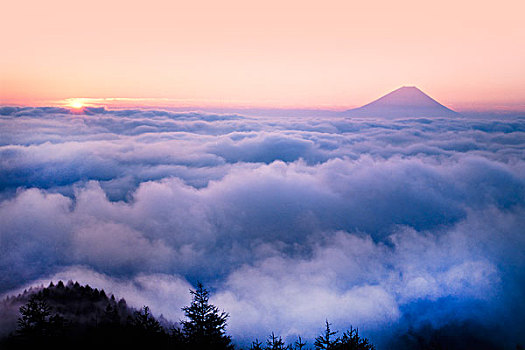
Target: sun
x,y
76,104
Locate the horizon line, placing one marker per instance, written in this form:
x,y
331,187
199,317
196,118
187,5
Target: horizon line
x,y
108,103
123,102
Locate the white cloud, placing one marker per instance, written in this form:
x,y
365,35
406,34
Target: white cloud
x,y
290,221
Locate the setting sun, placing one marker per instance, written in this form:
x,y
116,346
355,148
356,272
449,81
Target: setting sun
x,y
76,104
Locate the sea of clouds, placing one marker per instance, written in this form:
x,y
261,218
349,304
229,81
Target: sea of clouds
x,y
384,225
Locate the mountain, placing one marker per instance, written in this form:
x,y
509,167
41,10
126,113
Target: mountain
x,y
405,102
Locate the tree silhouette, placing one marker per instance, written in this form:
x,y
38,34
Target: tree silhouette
x,y
111,316
299,344
275,343
36,320
205,325
144,322
350,340
256,345
326,341
34,316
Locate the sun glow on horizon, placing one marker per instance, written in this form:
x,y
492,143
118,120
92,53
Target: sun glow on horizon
x,y
76,104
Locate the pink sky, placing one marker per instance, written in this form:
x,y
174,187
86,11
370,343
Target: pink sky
x,y
295,54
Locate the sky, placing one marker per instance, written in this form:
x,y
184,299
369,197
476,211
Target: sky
x,y
386,225
271,54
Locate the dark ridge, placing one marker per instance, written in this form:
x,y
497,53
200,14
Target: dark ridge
x,y
74,316
83,304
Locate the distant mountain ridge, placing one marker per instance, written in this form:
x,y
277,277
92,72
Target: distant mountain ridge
x,y
405,102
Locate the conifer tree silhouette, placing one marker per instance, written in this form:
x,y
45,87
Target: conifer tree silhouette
x,y
275,343
111,316
256,345
350,340
205,327
326,341
299,344
36,320
34,317
144,322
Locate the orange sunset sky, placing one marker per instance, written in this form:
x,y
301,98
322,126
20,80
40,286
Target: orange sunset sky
x,y
291,54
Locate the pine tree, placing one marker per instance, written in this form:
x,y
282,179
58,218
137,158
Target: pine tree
x,y
299,344
326,341
111,316
275,343
36,319
256,345
350,340
205,327
144,322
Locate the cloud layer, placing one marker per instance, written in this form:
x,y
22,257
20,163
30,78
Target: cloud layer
x,y
385,225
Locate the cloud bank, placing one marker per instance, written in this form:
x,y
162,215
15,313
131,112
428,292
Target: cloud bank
x,y
385,225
